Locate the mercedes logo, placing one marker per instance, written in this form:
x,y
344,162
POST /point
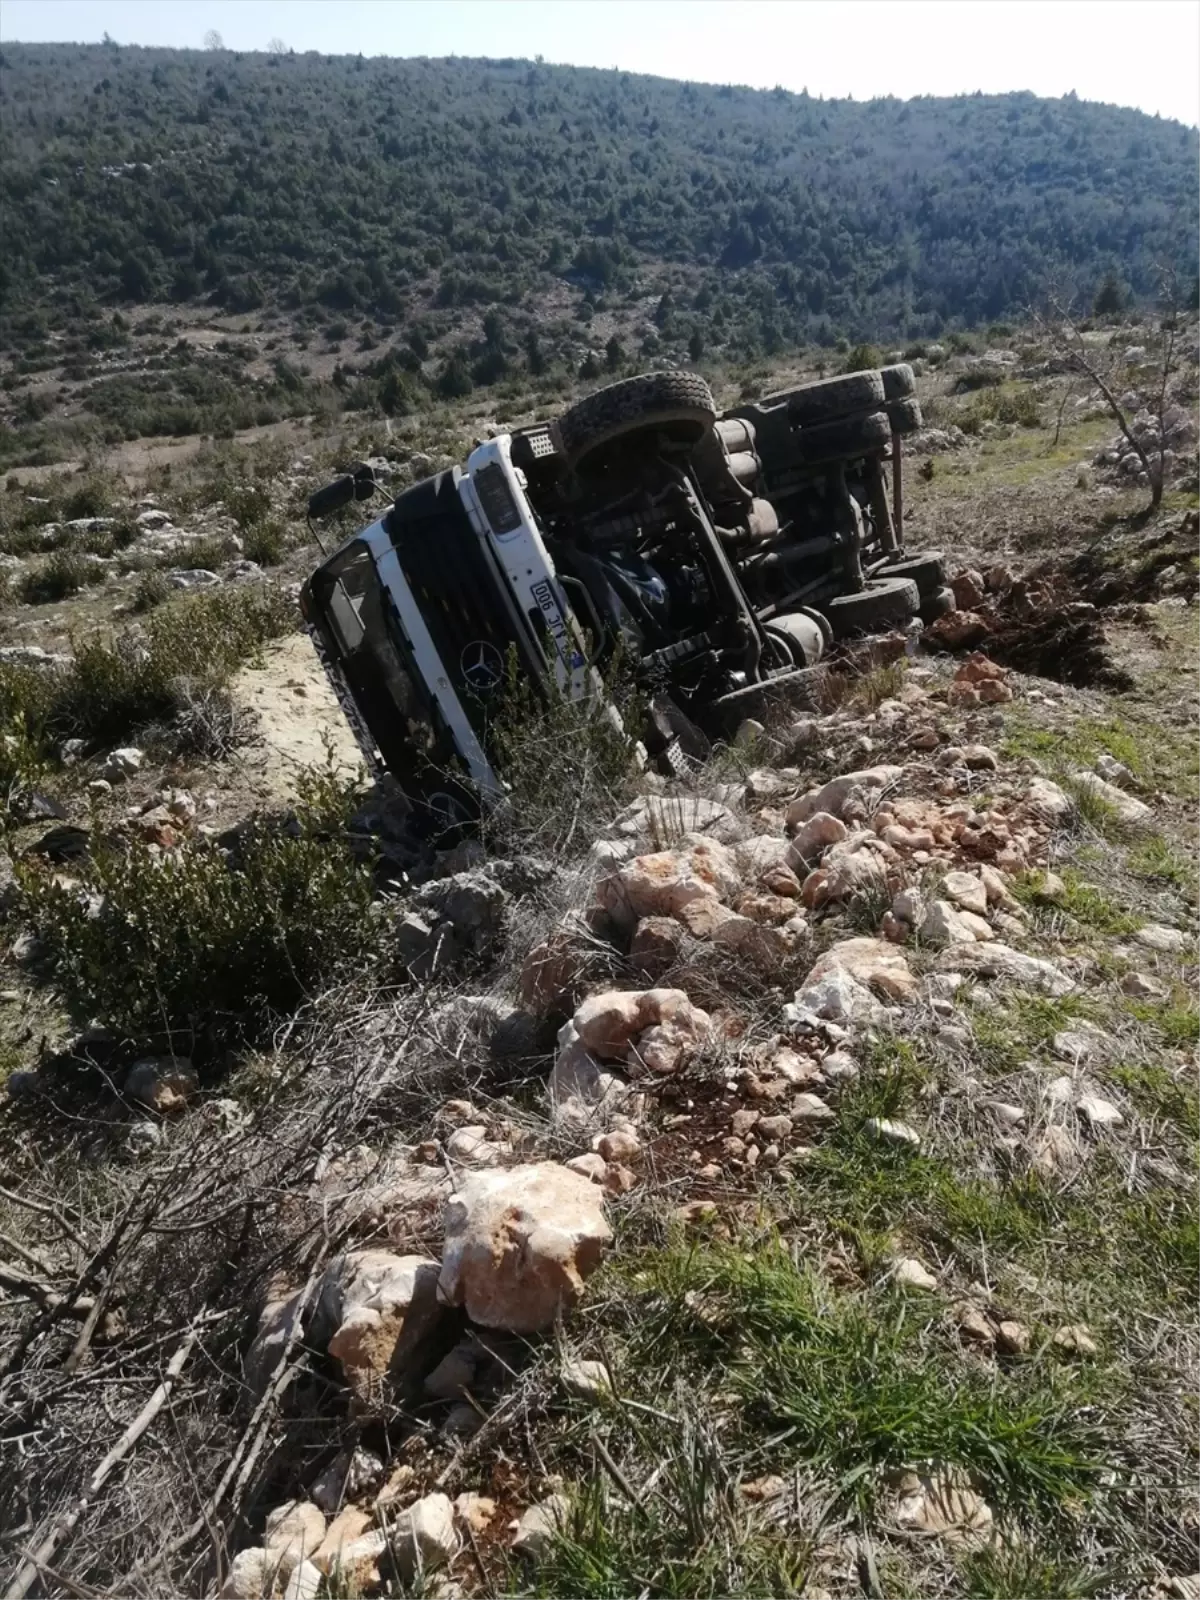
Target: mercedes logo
x,y
482,665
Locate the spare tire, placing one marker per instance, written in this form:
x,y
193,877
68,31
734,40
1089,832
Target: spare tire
x,y
927,569
904,415
680,403
841,441
883,603
815,403
898,381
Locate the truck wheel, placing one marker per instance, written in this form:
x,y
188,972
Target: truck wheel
x,y
904,415
884,603
927,569
841,441
815,403
679,403
898,381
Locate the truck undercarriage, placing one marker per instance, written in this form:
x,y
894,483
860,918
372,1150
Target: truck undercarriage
x,y
716,557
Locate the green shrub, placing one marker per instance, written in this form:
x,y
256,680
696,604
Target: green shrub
x,y
863,358
201,947
248,504
64,574
151,590
1001,405
140,677
207,553
980,377
264,543
107,541
26,694
93,497
118,685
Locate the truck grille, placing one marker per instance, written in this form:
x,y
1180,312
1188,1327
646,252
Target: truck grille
x,y
454,583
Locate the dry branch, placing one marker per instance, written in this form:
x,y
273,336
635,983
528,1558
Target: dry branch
x,y
35,1562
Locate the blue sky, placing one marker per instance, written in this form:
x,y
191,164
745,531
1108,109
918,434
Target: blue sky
x,y
1144,54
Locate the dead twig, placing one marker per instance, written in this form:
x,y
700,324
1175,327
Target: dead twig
x,y
44,1210
26,1254
35,1562
250,1445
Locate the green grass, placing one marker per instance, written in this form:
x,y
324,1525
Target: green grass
x,y
859,1384
1026,1572
864,1190
1093,909
1157,755
1158,1092
1156,860
693,1535
1177,1024
1007,1036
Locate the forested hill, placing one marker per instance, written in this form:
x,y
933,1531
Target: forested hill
x,y
388,187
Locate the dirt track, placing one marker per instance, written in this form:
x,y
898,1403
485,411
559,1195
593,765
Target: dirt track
x,y
300,720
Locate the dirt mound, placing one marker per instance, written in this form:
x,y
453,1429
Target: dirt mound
x,y
1035,626
1068,648
1118,570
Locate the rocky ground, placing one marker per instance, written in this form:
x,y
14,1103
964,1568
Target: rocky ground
x,y
782,1183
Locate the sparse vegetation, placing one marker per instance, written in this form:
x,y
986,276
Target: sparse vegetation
x,y
591,759
117,685
65,573
202,948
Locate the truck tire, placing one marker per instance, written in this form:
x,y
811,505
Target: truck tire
x,y
814,403
898,381
904,415
866,435
884,603
680,402
927,569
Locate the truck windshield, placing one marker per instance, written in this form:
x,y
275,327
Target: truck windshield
x,y
358,617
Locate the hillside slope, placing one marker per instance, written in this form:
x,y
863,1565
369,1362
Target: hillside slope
x,y
397,187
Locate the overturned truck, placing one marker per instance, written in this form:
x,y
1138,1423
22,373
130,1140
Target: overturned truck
x,y
717,556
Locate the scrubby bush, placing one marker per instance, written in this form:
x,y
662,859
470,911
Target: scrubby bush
x,y
264,543
120,684
64,574
206,553
26,694
151,590
1018,406
248,504
588,755
102,541
979,377
207,723
144,676
205,947
863,358
93,496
